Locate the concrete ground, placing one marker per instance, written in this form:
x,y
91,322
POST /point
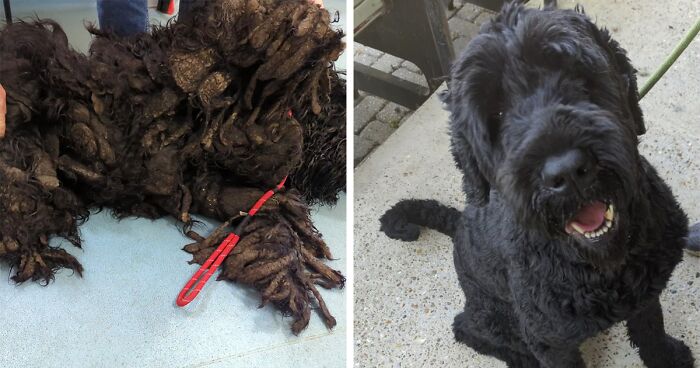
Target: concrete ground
x,y
122,312
406,294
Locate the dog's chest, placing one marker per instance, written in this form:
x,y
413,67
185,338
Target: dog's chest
x,y
589,300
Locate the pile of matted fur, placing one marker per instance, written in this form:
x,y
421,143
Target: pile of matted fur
x,y
191,118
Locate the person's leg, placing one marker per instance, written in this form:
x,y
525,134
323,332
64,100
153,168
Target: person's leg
x,y
693,243
123,17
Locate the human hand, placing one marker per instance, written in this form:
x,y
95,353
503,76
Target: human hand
x,y
3,111
318,2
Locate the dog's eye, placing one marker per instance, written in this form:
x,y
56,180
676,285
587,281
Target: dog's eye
x,y
494,125
495,118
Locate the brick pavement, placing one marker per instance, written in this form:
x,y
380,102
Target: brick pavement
x,y
376,118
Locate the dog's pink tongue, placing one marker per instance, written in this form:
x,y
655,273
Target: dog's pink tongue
x,y
591,216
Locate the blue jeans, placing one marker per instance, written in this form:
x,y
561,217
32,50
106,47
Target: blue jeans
x,y
130,17
123,17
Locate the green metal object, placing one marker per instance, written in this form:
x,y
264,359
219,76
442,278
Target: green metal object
x,y
670,60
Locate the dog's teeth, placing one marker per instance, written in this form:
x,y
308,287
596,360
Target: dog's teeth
x,y
610,213
602,230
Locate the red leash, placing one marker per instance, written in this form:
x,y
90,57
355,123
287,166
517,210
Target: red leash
x,y
187,294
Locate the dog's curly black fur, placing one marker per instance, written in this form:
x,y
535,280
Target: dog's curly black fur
x,y
530,89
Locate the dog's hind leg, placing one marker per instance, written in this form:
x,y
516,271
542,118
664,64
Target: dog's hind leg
x,y
656,348
490,330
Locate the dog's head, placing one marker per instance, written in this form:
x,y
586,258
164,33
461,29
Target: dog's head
x,y
544,110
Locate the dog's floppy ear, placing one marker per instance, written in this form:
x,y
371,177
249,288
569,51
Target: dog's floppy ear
x,y
474,183
629,73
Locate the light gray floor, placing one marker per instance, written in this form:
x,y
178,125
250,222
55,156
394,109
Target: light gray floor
x,y
122,313
406,294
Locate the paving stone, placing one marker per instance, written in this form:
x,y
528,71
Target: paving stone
x,y
359,96
366,110
365,59
458,27
367,50
363,147
410,66
377,131
483,18
461,28
410,76
451,12
469,12
392,114
387,63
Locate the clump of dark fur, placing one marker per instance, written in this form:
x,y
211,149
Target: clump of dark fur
x,y
192,118
321,175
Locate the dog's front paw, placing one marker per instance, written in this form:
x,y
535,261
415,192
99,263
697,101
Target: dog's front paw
x,y
682,356
674,354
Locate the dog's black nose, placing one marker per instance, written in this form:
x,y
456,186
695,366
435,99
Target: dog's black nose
x,y
566,170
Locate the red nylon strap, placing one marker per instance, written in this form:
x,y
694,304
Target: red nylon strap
x,y
265,197
188,293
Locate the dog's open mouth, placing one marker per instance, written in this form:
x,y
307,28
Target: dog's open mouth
x,y
593,221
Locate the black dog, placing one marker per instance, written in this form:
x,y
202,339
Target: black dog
x,y
569,229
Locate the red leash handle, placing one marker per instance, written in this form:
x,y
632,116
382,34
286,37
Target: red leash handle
x,y
188,293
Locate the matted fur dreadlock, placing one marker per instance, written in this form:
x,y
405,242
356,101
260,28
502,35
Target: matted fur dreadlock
x,y
191,118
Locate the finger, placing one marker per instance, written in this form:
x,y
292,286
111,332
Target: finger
x,y
3,111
